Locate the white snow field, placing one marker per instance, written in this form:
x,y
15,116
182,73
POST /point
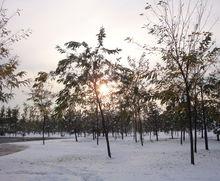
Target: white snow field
x,y
67,160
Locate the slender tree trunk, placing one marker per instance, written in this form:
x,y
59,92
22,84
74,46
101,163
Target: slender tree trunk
x,y
189,115
141,133
204,121
218,137
184,134
195,139
105,131
140,125
181,137
97,127
126,132
44,122
195,125
75,133
171,133
122,129
122,135
93,135
135,129
156,130
202,133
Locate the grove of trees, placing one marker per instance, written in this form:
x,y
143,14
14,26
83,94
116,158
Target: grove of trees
x,y
180,95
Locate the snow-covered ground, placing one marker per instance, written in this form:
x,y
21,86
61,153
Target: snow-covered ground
x,y
66,160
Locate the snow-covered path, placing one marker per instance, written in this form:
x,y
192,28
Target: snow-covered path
x,y
66,160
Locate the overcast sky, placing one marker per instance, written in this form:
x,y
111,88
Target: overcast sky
x,y
54,22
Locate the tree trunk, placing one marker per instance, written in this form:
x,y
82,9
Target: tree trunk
x,y
105,131
140,125
122,135
156,130
189,115
93,133
44,121
195,125
135,129
171,133
204,121
141,133
202,133
97,126
122,129
181,137
184,134
75,133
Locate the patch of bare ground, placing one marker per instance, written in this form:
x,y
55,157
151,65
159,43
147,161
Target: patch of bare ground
x,y
6,149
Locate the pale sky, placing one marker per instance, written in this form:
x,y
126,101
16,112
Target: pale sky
x,y
54,22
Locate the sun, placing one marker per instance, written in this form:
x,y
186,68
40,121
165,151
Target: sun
x,y
104,89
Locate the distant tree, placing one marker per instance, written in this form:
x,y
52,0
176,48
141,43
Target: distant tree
x,y
2,113
2,121
14,120
24,119
133,86
153,120
211,89
73,123
124,77
42,98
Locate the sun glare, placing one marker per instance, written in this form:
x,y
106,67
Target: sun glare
x,y
104,89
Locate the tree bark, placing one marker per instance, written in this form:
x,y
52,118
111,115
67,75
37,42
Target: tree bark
x,y
141,133
189,115
181,137
204,121
122,135
140,125
184,134
195,125
171,133
105,131
44,121
135,129
156,129
202,133
97,126
75,133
